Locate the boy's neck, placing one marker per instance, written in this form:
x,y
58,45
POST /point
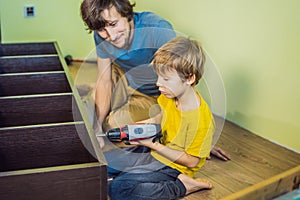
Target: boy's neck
x,y
188,101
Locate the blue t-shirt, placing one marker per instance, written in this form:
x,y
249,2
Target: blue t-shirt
x,y
150,33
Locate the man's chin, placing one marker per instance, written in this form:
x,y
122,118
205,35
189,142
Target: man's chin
x,y
119,45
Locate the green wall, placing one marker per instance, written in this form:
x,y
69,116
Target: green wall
x,y
255,45
56,20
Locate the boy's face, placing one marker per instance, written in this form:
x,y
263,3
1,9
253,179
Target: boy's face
x,y
117,30
171,85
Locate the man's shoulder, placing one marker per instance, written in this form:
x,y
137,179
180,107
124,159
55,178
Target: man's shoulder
x,y
149,19
144,16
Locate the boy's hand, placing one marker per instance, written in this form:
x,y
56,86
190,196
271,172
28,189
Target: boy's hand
x,y
146,142
219,153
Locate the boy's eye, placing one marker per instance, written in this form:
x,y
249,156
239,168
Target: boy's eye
x,y
166,78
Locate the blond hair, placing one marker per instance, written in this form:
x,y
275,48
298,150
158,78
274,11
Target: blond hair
x,y
182,54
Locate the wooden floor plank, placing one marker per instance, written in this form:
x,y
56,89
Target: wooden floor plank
x,y
231,175
253,160
265,146
270,188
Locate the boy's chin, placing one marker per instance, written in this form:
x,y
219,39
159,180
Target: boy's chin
x,y
169,96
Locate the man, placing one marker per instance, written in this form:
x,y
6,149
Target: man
x,y
125,44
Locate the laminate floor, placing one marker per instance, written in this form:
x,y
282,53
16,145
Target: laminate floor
x,y
253,158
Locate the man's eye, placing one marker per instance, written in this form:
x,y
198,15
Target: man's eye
x,y
113,24
100,29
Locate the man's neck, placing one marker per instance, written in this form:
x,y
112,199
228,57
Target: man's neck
x,y
131,34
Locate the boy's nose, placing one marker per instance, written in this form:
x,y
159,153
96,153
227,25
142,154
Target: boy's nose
x,y
158,82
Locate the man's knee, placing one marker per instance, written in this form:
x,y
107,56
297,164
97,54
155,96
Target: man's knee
x,y
120,189
117,119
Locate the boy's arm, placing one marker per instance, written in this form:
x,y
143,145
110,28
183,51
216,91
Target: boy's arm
x,y
179,157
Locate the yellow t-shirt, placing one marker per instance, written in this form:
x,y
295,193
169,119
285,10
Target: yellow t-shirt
x,y
189,131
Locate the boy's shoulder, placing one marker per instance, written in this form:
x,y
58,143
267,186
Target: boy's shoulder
x,y
162,100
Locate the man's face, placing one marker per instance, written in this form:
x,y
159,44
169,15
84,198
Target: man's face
x,y
117,30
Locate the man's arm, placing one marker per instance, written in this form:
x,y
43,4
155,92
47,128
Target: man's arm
x,y
154,120
103,90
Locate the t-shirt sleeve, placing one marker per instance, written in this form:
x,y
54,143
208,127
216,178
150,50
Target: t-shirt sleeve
x,y
199,135
161,100
199,144
164,32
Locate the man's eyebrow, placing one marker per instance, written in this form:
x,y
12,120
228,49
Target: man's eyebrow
x,y
111,22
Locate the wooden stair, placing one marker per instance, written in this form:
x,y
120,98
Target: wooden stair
x,y
41,151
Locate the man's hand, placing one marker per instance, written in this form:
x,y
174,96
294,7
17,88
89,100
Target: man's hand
x,y
219,153
98,130
101,142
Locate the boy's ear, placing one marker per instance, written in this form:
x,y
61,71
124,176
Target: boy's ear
x,y
191,79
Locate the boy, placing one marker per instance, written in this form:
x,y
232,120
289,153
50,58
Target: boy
x,y
187,128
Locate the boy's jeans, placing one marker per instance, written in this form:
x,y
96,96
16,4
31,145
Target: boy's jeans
x,y
140,176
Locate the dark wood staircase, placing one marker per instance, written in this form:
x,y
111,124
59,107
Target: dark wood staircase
x,y
47,146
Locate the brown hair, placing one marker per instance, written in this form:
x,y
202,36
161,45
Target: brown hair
x,y
91,11
182,54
